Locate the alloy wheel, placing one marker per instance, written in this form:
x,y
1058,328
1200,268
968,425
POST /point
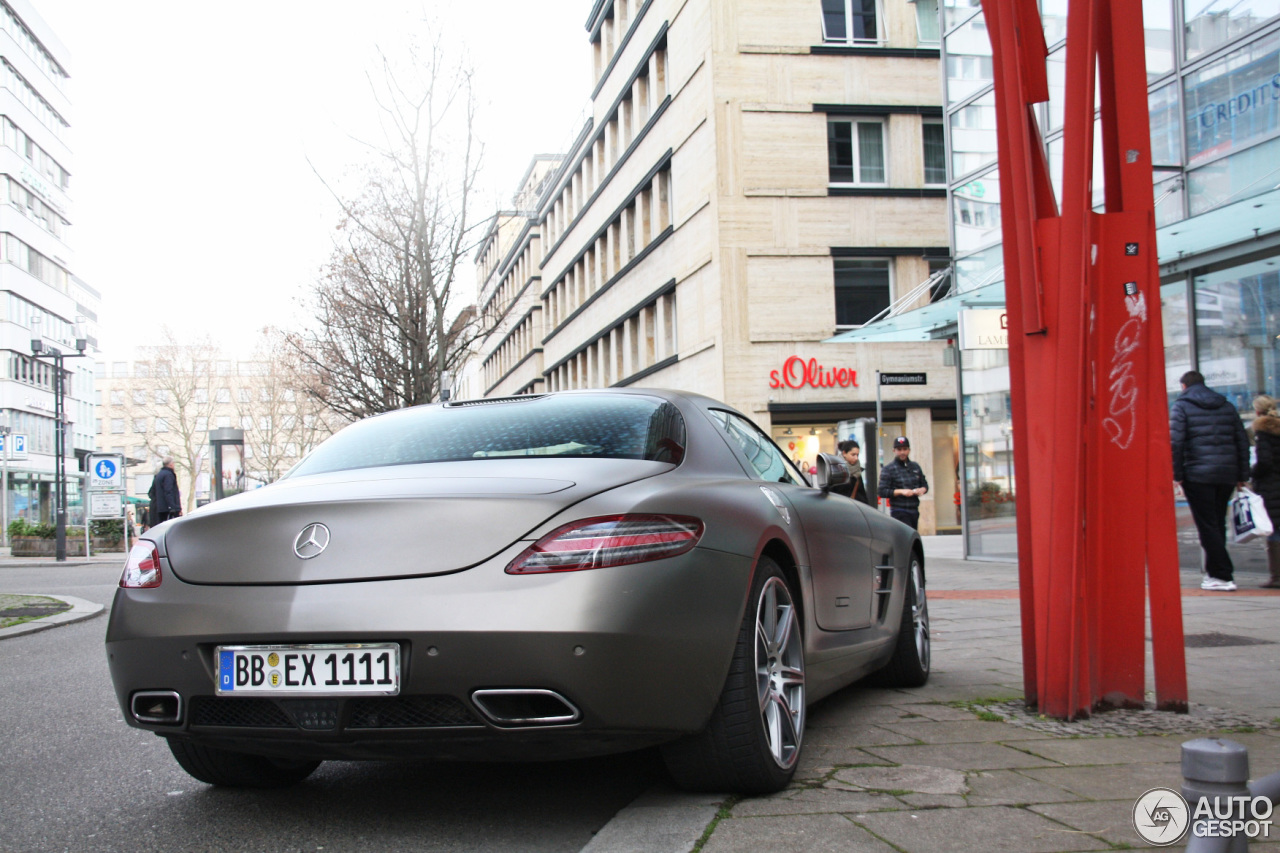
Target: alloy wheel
x,y
780,672
920,614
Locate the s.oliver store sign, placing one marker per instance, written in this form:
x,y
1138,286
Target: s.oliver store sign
x,y
797,372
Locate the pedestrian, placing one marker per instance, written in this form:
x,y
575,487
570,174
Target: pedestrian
x,y
166,503
902,482
855,488
1210,461
1266,476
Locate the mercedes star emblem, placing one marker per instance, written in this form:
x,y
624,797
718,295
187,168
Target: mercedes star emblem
x,y
312,541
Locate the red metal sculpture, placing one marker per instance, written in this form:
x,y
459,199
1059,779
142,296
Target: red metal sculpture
x,y
1090,420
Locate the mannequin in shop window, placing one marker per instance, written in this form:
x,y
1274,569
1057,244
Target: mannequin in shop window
x,y
855,488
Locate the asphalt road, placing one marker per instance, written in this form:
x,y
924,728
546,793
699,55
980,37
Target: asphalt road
x,y
74,776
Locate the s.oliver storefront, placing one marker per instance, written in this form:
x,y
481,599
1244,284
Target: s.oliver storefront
x,y
819,395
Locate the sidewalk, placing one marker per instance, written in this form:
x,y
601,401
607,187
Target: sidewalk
x,y
958,766
95,559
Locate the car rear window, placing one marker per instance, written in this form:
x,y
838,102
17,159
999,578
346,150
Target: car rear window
x,y
599,426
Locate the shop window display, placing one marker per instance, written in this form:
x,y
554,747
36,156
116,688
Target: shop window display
x,y
990,485
1238,331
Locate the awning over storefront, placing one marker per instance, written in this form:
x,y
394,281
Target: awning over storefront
x,y
933,322
1243,227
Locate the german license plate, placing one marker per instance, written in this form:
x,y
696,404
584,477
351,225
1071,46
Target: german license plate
x,y
352,669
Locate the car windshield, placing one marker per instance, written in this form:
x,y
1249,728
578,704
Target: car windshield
x,y
598,426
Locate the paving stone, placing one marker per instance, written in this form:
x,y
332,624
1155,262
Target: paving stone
x,y
963,731
1109,819
1115,782
991,829
983,687
1110,750
933,711
839,756
815,801
1012,787
822,833
934,801
856,736
913,778
961,756
843,711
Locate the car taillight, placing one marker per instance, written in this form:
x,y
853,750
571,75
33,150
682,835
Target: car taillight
x,y
142,568
612,540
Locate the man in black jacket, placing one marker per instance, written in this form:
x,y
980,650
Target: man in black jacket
x,y
166,503
1210,461
902,482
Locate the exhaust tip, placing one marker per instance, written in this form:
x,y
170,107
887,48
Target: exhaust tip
x,y
158,707
525,707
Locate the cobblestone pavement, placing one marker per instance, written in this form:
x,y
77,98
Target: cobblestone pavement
x,y
960,765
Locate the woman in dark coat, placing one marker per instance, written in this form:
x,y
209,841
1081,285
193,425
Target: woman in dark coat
x,y
1266,476
855,488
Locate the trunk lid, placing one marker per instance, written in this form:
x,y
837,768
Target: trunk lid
x,y
391,522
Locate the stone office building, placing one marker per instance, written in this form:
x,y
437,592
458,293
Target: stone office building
x,y
756,176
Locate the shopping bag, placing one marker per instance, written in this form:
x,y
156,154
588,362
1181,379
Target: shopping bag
x,y
1249,519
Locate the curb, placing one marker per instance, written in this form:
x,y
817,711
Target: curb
x,y
661,820
80,610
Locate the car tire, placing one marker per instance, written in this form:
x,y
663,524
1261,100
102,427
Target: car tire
x,y
912,653
751,745
237,769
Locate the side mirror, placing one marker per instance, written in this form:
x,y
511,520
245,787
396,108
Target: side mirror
x,y
832,471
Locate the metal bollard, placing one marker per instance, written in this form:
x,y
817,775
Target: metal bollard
x,y
1212,768
1267,786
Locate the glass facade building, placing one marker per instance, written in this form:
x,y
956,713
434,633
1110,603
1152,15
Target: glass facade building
x,y
1213,73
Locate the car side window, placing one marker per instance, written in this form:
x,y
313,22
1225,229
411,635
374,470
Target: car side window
x,y
762,455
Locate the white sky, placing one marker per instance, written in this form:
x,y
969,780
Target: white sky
x,y
193,204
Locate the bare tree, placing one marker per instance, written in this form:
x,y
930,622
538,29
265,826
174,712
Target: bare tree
x,y
386,327
174,406
281,421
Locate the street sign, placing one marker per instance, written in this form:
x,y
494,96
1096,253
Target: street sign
x,y
106,472
18,450
903,379
106,505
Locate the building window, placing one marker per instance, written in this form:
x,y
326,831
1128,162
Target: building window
x,y
935,153
862,289
224,395
117,398
140,425
1216,22
139,398
927,22
850,22
162,425
117,426
855,151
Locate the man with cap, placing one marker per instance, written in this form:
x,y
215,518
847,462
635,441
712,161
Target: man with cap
x,y
902,482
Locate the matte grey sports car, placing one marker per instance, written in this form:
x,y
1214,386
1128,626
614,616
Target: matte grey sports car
x,y
535,577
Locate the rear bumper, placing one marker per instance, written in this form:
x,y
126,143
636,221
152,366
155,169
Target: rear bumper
x,y
641,651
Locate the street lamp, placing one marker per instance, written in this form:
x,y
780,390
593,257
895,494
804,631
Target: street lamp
x,y
57,356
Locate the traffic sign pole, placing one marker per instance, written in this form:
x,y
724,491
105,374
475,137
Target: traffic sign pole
x,y
4,490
